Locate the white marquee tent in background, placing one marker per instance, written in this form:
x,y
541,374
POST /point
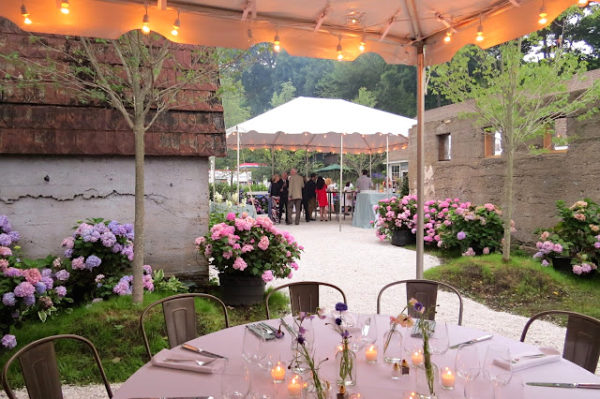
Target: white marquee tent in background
x,y
412,32
323,125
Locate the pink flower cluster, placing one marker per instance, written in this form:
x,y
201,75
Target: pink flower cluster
x,y
239,243
584,268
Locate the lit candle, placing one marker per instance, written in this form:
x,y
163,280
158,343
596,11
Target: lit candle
x,y
295,387
410,395
417,358
278,373
371,354
447,378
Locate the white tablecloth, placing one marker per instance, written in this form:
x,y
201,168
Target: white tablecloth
x,y
364,213
373,380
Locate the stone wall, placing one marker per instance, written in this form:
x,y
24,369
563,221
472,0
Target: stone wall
x,y
539,180
64,161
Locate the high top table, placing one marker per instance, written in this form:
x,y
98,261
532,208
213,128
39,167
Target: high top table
x,y
373,380
363,212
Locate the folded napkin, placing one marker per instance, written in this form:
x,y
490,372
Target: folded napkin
x,y
521,362
160,359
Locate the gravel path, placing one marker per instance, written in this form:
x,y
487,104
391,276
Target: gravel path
x,y
360,264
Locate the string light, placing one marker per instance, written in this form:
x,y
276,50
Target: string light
x,y
146,22
582,3
64,6
543,14
276,43
25,15
479,37
448,37
176,25
362,46
340,55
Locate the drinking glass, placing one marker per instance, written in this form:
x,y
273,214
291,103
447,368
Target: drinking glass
x,y
253,350
365,332
438,341
497,367
467,364
235,381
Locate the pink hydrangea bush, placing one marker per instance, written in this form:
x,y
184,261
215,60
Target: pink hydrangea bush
x,y
97,247
246,245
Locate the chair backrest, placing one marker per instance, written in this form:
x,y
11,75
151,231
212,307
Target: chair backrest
x,y
304,296
180,318
40,368
425,291
582,341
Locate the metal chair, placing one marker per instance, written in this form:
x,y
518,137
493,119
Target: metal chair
x,y
425,291
582,342
304,296
40,368
180,318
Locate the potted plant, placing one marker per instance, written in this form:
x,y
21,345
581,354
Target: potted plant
x,y
248,253
395,219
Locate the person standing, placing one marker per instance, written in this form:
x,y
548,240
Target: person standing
x,y
321,190
283,195
311,196
274,197
364,182
295,186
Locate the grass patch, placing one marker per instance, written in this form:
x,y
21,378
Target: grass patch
x,y
113,327
521,286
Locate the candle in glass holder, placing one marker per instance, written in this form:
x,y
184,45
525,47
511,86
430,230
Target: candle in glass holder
x,y
278,373
448,378
417,357
295,387
410,395
371,354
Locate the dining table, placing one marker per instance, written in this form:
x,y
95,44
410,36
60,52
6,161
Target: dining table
x,y
373,380
363,211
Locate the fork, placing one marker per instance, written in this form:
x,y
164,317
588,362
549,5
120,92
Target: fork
x,y
537,355
198,362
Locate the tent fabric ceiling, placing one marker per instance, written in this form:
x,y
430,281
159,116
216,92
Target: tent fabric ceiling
x,y
312,28
316,124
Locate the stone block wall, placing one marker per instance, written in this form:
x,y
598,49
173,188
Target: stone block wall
x,y
539,180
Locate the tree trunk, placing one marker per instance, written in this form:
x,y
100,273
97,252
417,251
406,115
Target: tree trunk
x,y
138,243
508,201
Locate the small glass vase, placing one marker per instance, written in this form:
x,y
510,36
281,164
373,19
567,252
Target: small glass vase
x,y
347,366
423,387
321,392
392,345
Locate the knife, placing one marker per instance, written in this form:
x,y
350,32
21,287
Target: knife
x,y
564,385
473,341
200,351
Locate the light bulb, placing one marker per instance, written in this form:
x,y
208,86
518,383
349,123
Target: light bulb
x,y
25,15
146,24
582,3
64,6
362,47
543,15
479,37
276,44
448,37
176,26
340,55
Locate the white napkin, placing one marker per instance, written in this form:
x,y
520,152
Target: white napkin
x,y
160,359
521,362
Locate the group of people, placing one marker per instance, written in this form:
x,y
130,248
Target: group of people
x,y
295,192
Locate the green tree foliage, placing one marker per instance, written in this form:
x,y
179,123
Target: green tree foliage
x,y
519,99
233,98
287,93
365,97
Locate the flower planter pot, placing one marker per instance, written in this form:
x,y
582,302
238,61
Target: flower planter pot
x,y
241,289
562,263
401,238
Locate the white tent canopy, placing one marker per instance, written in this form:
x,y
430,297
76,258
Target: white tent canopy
x,y
315,124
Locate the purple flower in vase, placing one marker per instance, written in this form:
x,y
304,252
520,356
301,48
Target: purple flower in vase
x,y
341,307
301,339
338,321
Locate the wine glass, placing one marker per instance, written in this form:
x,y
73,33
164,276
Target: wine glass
x,y
235,381
497,365
438,341
365,333
467,364
252,347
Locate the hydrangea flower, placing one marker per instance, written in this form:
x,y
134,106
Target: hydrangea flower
x,y
13,272
40,287
9,341
78,263
240,264
92,261
8,299
461,235
24,289
267,276
60,291
29,300
5,240
32,275
62,275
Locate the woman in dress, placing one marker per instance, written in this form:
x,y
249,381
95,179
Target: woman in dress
x,y
322,198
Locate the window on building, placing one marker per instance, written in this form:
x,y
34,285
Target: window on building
x,y
444,147
557,139
493,144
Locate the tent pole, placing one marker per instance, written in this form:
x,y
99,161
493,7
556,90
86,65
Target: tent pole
x,y
238,166
420,155
370,172
341,180
387,166
272,162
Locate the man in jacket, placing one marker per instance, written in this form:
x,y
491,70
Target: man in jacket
x,y
310,197
283,194
296,184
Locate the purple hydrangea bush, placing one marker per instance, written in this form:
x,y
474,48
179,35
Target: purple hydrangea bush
x,y
97,247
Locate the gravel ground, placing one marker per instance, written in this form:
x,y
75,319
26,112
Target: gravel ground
x,y
356,261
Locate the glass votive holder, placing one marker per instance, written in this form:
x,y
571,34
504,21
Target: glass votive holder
x,y
410,395
371,354
278,372
447,378
295,386
417,358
